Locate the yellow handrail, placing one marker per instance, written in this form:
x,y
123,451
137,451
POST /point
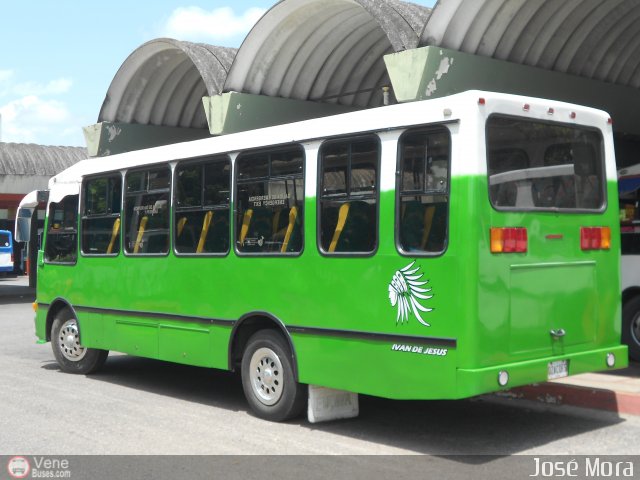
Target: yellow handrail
x,y
181,224
246,220
143,225
293,214
343,213
206,223
114,233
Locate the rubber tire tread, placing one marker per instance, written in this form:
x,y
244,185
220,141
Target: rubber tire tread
x,y
294,395
629,311
91,362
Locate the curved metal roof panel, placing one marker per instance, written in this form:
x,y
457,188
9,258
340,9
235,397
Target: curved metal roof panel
x,y
325,50
30,159
595,39
163,81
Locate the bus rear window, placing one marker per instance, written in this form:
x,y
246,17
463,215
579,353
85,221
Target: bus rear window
x,y
534,165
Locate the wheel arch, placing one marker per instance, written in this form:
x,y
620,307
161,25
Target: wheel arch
x,y
630,293
246,326
56,307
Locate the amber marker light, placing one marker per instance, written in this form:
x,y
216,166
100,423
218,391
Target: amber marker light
x,y
509,240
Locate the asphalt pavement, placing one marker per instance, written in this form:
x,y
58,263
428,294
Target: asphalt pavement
x,y
615,391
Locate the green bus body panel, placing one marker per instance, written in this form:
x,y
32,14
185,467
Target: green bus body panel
x,y
490,312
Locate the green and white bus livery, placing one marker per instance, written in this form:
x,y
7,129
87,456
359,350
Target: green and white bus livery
x,y
439,249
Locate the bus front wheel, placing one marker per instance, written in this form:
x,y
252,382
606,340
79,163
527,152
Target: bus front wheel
x,y
631,327
71,356
267,378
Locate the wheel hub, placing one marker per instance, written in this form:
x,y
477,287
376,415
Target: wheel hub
x,y
266,376
69,341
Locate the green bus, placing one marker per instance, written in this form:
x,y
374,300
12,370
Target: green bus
x,y
439,249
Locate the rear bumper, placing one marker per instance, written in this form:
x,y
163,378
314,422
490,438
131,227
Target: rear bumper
x,y
484,380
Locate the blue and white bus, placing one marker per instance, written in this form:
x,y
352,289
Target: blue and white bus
x,y
6,251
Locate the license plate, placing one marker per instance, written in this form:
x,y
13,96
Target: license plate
x,y
558,369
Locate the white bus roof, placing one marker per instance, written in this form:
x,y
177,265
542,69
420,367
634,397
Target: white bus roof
x,y
446,109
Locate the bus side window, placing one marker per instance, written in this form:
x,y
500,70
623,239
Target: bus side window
x,y
348,207
61,245
270,201
202,199
146,223
423,191
101,215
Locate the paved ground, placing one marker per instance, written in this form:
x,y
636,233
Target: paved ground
x,y
139,406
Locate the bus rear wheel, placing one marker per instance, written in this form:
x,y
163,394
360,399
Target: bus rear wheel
x,y
267,378
71,356
631,327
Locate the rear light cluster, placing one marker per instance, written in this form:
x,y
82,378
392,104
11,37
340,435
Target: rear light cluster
x,y
515,239
595,238
509,240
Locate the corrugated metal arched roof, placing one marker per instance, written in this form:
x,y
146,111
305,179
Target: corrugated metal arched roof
x,y
590,38
163,81
325,50
30,159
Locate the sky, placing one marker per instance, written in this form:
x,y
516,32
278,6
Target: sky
x,y
59,57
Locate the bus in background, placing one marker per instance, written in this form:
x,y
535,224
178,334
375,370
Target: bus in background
x,y
6,252
629,190
439,249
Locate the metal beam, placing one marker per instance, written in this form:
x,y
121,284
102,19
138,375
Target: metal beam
x,y
432,72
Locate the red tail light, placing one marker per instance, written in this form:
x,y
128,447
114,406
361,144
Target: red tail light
x,y
595,238
509,240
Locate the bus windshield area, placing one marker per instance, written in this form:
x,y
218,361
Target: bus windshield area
x,y
534,165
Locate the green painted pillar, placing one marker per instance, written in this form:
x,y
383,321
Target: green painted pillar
x,y
432,72
108,138
237,112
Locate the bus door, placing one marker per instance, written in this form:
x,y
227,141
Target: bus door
x,y
6,251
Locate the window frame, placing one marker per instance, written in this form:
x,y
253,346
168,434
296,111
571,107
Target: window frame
x,y
319,184
435,127
572,211
114,173
194,162
144,168
269,150
46,233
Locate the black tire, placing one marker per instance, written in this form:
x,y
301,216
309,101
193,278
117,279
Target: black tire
x,y
70,355
270,386
631,327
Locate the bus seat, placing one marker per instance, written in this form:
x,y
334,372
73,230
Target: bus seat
x,y
357,233
293,216
412,224
280,220
206,223
428,223
218,239
436,239
114,235
180,226
246,221
343,213
141,228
